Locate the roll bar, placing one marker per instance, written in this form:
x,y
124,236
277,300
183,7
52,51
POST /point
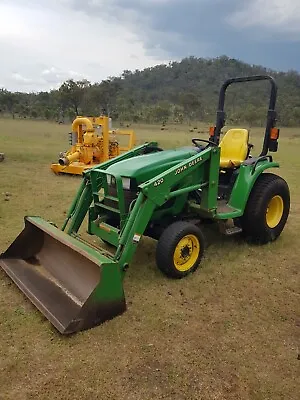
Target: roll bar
x,y
271,116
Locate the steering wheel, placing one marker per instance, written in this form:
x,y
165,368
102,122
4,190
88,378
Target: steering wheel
x,y
209,142
152,149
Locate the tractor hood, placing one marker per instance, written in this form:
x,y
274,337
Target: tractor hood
x,y
146,166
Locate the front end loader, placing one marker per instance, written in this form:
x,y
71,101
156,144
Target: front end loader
x,y
168,195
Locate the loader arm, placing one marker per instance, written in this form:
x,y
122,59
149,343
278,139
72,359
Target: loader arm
x,y
84,196
203,167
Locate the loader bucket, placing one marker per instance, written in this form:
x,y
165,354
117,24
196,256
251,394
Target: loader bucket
x,y
75,285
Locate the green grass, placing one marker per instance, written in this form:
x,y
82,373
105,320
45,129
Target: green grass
x,y
229,331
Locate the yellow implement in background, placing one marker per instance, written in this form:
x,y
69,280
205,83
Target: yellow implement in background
x,y
89,147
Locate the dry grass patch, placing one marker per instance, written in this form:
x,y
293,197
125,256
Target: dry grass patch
x,y
229,331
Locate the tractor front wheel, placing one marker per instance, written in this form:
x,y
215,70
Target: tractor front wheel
x,y
267,209
180,249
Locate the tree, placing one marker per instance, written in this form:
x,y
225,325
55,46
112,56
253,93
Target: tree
x,y
47,113
186,89
34,114
104,95
191,104
161,112
9,101
72,93
178,114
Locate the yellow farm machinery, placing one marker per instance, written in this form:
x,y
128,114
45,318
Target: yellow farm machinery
x,y
92,142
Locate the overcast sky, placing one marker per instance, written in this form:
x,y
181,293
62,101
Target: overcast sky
x,y
44,42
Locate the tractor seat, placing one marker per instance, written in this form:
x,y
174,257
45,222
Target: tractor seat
x,y
234,148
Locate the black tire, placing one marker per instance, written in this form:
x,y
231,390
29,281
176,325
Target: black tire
x,y
168,242
254,222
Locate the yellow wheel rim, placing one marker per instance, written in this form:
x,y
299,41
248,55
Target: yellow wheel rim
x,y
274,211
186,253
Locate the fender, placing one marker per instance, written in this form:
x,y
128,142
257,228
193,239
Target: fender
x,y
244,183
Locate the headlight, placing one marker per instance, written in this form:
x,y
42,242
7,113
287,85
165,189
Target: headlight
x,y
126,183
111,180
108,178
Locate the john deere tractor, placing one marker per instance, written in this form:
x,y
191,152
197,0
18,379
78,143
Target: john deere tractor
x,y
166,194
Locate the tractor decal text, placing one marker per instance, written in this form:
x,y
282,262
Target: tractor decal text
x,y
158,182
186,166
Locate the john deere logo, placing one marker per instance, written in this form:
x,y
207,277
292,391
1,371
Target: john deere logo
x,y
186,166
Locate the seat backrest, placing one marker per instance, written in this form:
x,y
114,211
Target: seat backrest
x,y
234,146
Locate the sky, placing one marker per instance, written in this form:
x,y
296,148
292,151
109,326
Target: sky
x,y
44,42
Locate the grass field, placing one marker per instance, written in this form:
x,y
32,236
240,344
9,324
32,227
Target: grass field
x,y
229,331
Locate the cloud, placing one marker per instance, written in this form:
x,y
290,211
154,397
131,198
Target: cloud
x,y
21,79
276,16
48,41
45,78
165,26
54,75
58,43
208,28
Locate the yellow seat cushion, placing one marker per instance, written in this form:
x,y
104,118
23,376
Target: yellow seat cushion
x,y
234,148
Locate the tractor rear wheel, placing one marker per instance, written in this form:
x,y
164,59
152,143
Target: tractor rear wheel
x,y
267,209
180,249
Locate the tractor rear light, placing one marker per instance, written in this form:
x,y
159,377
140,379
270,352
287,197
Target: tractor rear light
x,y
212,131
273,141
274,135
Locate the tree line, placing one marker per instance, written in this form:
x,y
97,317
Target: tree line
x,y
181,91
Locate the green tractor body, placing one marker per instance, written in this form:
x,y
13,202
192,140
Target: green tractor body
x,y
164,194
148,166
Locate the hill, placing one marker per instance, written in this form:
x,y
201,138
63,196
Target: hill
x,y
184,90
